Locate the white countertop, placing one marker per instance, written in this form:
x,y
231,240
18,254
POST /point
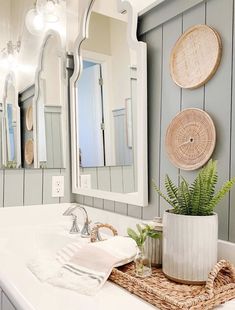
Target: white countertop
x,y
19,233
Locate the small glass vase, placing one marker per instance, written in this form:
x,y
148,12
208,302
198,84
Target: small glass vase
x,y
142,263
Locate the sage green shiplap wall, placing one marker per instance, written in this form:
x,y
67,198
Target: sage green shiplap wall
x,y
160,28
19,187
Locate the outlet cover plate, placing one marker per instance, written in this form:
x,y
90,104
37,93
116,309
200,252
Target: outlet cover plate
x,y
58,186
85,181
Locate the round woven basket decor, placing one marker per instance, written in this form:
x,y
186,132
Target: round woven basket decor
x,y
28,152
190,139
195,56
29,118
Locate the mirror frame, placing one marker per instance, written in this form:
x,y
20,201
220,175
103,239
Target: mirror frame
x,y
140,197
62,56
11,78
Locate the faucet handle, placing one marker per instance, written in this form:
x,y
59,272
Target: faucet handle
x,y
69,211
74,229
86,230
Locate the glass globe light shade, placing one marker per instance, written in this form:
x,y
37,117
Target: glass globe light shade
x,y
34,22
50,12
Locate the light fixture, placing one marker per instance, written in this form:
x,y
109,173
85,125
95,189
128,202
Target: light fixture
x,y
50,11
34,21
9,54
43,15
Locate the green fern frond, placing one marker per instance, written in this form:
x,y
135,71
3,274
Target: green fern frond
x,y
199,198
211,177
221,193
172,190
184,198
162,195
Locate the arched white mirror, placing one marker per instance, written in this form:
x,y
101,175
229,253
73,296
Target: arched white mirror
x,y
10,125
49,105
108,106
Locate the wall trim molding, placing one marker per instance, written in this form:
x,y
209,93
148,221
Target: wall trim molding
x,y
163,12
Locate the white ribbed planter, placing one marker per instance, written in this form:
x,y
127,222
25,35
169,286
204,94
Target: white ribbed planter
x,y
189,246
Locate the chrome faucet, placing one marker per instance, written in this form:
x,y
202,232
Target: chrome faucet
x,y
86,230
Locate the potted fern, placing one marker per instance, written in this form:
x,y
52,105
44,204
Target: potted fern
x,y
190,228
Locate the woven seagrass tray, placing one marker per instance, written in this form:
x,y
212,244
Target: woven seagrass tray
x,y
165,294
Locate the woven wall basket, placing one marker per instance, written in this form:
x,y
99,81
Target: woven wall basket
x,y
195,56
29,118
28,152
190,139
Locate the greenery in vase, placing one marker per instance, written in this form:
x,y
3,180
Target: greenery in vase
x,y
142,233
199,198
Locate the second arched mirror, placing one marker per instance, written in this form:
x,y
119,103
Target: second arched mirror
x,y
49,105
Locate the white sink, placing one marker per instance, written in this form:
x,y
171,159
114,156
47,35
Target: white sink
x,y
33,242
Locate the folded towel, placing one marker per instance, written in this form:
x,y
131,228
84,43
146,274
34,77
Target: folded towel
x,y
123,248
85,268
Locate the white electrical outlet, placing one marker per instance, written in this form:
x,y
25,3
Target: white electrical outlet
x,y
85,181
58,186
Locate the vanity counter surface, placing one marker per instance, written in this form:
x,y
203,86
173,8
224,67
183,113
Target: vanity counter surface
x,y
20,227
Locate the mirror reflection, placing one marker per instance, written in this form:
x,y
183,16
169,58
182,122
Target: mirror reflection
x,y
11,157
49,102
105,94
24,53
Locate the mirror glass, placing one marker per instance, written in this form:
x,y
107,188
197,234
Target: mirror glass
x,y
106,106
105,94
10,125
24,24
49,102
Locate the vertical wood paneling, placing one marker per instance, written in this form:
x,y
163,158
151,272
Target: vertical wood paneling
x,y
14,188
47,185
193,98
128,179
33,187
20,187
116,179
171,98
154,39
218,99
104,178
49,140
57,140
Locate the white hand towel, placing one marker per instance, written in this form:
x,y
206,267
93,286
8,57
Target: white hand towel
x,y
84,268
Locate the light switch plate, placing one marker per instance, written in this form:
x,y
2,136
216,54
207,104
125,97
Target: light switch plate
x,y
85,181
58,186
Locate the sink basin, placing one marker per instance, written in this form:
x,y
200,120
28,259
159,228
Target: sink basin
x,y
33,242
